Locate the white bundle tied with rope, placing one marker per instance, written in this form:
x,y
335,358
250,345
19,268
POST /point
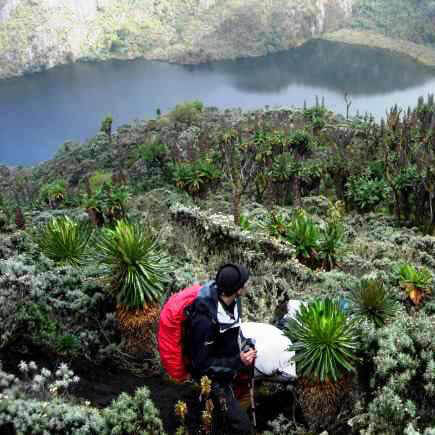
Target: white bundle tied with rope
x,y
273,360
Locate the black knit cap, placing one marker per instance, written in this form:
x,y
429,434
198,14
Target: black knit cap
x,y
231,277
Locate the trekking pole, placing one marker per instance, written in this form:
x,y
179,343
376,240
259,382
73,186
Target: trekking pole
x,y
252,396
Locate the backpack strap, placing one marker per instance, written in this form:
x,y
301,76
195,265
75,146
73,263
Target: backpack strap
x,y
192,310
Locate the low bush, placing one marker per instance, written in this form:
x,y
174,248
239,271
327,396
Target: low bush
x,y
404,383
367,193
196,177
370,300
187,112
40,405
130,415
52,194
64,241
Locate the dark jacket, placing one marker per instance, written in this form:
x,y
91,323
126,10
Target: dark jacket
x,y
214,337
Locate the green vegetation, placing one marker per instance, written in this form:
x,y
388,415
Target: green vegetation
x,y
337,214
106,125
64,241
371,301
325,341
136,270
403,19
196,177
415,281
303,233
187,112
52,194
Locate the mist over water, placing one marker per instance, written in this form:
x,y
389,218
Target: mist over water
x,y
40,112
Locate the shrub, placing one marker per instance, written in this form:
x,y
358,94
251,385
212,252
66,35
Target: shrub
x,y
106,125
415,281
136,270
325,344
371,301
17,286
137,414
36,404
64,241
152,152
195,177
36,417
367,193
331,240
187,112
324,341
98,179
303,233
405,376
53,193
275,224
43,306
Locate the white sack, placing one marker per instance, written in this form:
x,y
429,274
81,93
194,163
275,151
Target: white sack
x,y
273,358
293,307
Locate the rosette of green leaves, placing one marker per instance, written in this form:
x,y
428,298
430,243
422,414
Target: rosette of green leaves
x,y
136,268
65,241
370,300
54,191
193,177
284,167
275,224
331,240
418,277
324,340
303,233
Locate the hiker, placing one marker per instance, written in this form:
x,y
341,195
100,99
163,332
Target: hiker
x,y
217,348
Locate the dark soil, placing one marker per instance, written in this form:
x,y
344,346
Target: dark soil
x,y
101,385
165,395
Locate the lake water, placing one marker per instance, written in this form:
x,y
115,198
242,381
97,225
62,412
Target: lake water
x,y
41,111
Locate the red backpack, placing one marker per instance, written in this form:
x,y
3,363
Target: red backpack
x,y
170,333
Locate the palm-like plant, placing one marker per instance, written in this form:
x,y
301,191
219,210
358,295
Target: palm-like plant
x,y
303,233
194,177
53,193
325,342
371,301
65,241
416,281
284,166
275,224
331,241
136,272
116,202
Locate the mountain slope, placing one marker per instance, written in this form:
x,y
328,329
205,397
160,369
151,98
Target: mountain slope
x,y
39,34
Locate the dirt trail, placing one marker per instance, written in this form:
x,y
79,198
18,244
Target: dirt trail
x,y
100,386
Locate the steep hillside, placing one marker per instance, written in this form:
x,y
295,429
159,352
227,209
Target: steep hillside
x,y
39,34
411,20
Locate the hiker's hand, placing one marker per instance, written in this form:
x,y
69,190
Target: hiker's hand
x,y
248,357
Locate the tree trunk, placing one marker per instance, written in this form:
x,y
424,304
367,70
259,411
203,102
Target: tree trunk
x,y
237,195
397,204
340,186
296,191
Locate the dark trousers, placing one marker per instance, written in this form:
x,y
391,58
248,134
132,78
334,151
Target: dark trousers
x,y
231,418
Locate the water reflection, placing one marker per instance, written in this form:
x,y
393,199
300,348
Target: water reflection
x,y
333,66
41,111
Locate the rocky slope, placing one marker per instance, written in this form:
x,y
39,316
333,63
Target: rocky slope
x,y
39,34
